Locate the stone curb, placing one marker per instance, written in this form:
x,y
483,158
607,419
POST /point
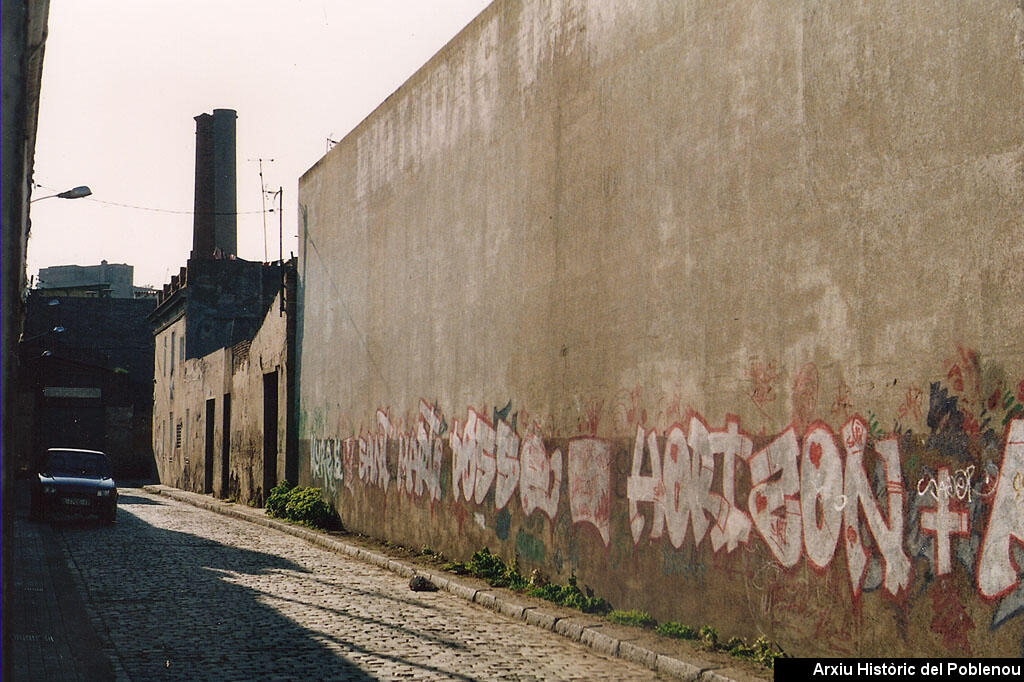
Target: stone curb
x,y
582,629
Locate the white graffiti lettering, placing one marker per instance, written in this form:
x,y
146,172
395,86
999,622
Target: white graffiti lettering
x,y
589,494
325,463
821,481
888,536
774,500
997,573
420,456
540,477
958,485
941,521
731,525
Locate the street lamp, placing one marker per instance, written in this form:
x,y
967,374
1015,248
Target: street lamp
x,y
73,193
56,330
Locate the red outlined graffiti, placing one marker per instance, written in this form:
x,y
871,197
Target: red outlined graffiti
x,y
888,535
474,465
628,409
540,479
588,422
805,396
731,525
944,520
650,488
802,499
998,573
912,404
688,470
821,495
762,380
350,462
841,403
506,453
420,455
679,486
774,501
589,484
964,373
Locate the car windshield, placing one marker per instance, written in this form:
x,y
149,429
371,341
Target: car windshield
x,y
78,464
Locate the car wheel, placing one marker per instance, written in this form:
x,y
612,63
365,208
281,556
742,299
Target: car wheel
x,y
108,517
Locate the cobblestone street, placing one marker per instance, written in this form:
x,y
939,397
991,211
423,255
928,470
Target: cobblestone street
x,y
179,592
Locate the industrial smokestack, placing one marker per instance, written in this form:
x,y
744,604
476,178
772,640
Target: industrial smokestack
x,y
215,224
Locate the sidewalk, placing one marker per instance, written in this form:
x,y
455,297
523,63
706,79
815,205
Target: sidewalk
x,y
667,657
52,634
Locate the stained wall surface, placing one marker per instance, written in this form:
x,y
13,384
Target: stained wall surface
x,y
226,455
716,305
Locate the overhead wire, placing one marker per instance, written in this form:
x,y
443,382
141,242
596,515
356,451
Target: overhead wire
x,y
161,210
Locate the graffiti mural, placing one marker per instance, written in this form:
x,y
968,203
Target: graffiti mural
x,y
589,484
846,512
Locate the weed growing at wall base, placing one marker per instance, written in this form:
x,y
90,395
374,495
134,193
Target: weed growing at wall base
x,y
491,568
762,650
640,619
497,573
301,505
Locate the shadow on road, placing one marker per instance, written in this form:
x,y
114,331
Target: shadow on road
x,y
173,609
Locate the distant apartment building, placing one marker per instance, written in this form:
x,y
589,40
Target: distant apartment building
x,y
106,280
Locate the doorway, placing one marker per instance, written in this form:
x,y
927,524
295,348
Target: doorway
x,y
225,446
211,413
269,432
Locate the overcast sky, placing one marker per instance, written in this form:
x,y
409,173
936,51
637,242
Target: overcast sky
x,y
122,82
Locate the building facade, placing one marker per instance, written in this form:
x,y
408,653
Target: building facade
x,y
86,368
223,379
113,280
715,306
223,329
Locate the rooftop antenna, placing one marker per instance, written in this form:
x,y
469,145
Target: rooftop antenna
x,y
263,199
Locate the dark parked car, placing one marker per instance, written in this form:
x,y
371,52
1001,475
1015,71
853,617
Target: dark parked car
x,y
77,482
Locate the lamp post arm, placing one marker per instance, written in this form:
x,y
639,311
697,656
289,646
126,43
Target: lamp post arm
x,y
73,193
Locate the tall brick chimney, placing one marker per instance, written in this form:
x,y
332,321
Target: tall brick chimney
x,y
215,225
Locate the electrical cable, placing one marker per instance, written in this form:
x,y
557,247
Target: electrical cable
x,y
160,210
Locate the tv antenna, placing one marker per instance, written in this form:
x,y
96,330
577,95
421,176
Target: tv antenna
x,y
263,200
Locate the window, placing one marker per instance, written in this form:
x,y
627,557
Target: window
x,y
177,435
181,342
172,352
170,436
163,365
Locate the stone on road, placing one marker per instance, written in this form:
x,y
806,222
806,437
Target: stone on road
x,y
184,593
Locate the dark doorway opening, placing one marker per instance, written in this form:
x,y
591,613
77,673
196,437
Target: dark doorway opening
x,y
211,413
225,447
269,432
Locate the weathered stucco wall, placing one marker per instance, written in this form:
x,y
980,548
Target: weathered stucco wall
x,y
181,397
717,305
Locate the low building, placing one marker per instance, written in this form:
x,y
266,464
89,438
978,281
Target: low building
x,y
223,382
86,367
114,280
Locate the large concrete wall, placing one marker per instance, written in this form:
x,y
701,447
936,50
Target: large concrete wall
x,y
715,304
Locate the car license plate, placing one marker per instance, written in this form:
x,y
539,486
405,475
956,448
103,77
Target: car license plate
x,y
76,501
